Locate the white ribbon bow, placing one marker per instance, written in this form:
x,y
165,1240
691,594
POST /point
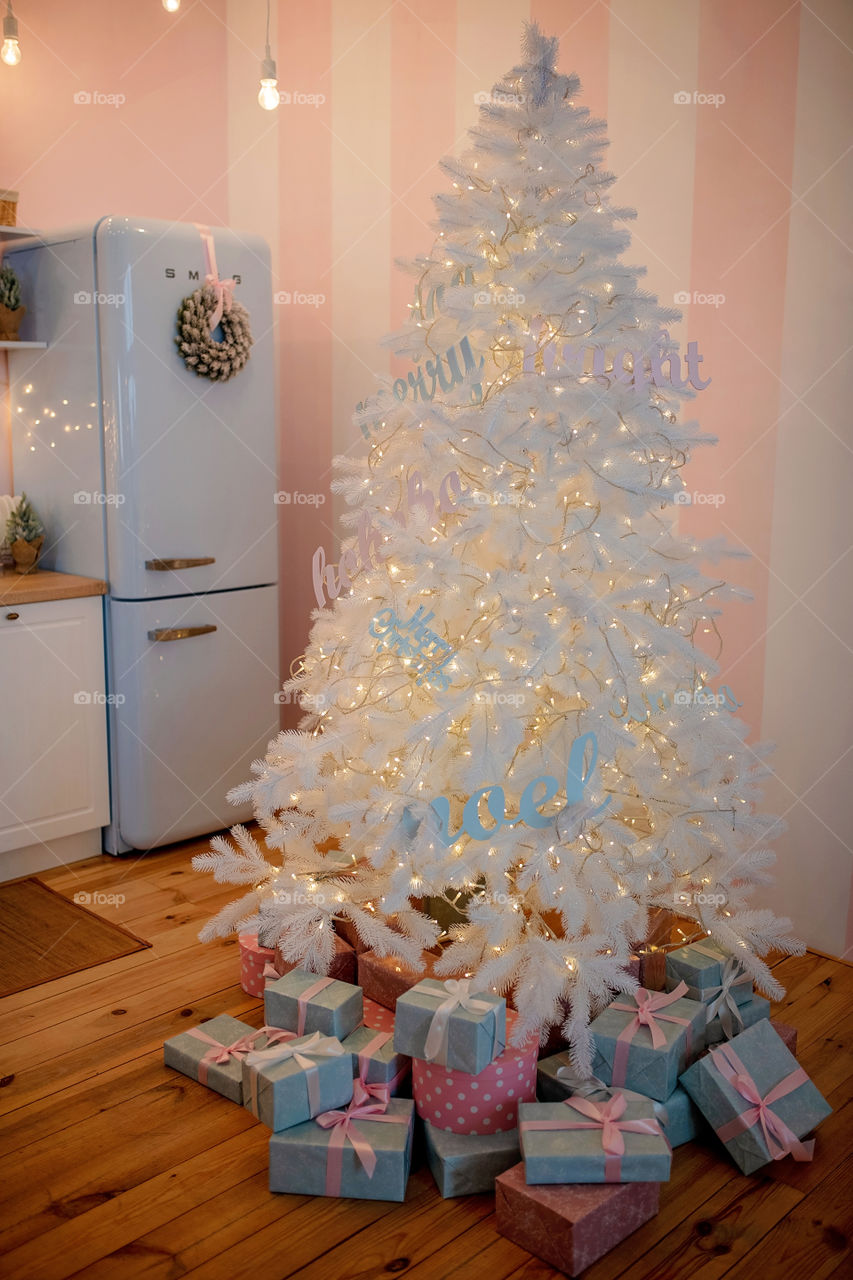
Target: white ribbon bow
x,y
316,1045
459,995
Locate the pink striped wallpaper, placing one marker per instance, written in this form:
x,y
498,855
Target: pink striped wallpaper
x,y
739,199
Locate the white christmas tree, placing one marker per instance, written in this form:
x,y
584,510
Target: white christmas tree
x,y
492,673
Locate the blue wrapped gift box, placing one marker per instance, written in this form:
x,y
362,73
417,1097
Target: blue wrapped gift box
x,y
359,1157
702,967
556,1080
563,1142
727,1084
375,1060
626,1054
432,1023
213,1054
305,1002
289,1083
464,1164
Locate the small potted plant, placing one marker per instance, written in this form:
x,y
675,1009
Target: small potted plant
x,y
25,535
11,311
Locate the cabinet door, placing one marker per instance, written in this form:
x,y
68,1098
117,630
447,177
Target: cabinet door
x,y
53,748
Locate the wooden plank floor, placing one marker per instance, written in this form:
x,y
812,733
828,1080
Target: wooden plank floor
x,y
114,1165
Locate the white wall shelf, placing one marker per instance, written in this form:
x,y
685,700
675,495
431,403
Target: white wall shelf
x,y
10,234
22,346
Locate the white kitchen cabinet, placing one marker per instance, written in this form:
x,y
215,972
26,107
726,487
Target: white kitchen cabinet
x,y
53,743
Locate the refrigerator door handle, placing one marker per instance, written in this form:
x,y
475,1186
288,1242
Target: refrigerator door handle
x,y
165,566
180,633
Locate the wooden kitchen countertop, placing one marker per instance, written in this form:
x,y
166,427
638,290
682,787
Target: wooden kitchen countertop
x,y
30,588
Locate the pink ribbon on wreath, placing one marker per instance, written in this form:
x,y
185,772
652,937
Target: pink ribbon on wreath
x,y
316,1046
781,1141
302,1001
219,1053
603,1116
344,1130
224,289
646,1014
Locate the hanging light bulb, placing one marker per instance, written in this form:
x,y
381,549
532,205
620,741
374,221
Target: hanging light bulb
x,y
11,51
171,6
268,95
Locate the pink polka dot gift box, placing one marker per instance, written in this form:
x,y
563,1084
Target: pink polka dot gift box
x,y
485,1103
253,960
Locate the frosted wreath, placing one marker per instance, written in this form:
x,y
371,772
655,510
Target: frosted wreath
x,y
200,352
202,311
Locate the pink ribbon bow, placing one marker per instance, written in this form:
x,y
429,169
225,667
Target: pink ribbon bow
x,y
457,994
274,1035
224,289
344,1130
781,1141
219,1053
316,1046
603,1116
647,1013
384,1089
270,974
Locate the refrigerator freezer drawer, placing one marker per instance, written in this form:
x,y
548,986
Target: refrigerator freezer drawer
x,y
195,679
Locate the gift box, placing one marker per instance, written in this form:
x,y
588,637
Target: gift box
x,y
254,960
304,1002
482,1104
788,1035
363,1152
467,1164
385,978
557,1080
213,1054
643,1042
584,1141
374,1059
376,1016
286,1084
709,972
451,1023
342,965
571,1227
758,1100
730,1022
649,968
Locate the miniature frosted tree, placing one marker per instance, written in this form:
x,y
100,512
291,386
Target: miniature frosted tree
x,y
491,672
